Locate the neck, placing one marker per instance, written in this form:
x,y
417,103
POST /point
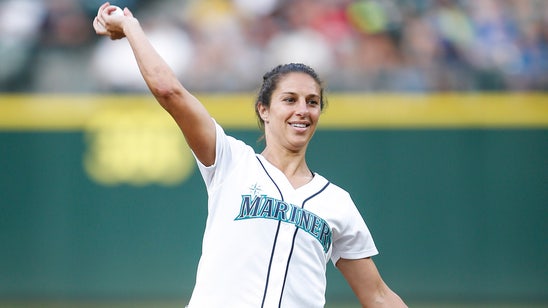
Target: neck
x,y
293,165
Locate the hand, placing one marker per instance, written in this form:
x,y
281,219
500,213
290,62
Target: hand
x,y
110,25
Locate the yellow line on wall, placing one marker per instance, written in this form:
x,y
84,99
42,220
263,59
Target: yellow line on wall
x,y
345,111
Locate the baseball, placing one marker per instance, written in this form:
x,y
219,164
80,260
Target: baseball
x,y
118,11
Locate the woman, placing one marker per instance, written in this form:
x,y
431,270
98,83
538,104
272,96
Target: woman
x,y
272,225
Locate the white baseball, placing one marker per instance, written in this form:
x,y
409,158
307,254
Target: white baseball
x,y
118,11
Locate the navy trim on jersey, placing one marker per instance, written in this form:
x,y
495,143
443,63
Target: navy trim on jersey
x,y
293,244
276,237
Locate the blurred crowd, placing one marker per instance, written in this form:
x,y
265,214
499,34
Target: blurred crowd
x,y
227,45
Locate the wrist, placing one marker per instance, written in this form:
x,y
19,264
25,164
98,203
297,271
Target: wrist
x,y
129,24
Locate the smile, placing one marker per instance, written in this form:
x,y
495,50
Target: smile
x,y
299,125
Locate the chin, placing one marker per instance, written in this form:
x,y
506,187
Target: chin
x,y
299,145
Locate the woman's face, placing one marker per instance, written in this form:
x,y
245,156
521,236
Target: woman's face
x,y
294,112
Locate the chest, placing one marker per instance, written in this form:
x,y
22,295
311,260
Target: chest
x,y
263,198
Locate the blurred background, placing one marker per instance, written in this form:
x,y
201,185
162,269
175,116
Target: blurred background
x,y
225,45
437,126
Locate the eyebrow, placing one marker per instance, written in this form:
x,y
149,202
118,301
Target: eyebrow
x,y
294,93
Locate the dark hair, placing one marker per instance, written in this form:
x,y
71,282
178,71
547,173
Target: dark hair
x,y
270,82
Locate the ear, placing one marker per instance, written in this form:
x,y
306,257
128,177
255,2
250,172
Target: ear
x,y
263,111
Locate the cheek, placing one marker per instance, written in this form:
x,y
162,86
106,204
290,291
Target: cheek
x,y
315,115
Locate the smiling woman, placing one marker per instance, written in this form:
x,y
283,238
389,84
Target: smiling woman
x,y
421,163
281,262
290,117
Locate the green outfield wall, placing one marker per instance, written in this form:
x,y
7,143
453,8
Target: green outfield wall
x,y
100,197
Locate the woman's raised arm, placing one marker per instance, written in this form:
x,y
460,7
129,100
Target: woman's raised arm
x,y
187,111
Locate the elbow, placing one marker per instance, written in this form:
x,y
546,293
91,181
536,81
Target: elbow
x,y
162,83
166,92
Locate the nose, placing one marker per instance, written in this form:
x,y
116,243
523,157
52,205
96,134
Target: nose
x,y
302,107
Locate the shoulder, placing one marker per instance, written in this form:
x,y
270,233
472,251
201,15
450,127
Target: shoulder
x,y
228,141
332,193
333,188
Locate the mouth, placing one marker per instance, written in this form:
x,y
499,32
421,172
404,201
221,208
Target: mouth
x,y
299,124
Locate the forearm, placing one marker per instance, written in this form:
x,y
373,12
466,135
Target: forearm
x,y
383,298
157,74
189,113
370,289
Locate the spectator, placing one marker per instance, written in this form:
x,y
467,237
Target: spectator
x,y
359,45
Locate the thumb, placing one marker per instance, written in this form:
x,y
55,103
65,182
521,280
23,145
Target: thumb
x,y
127,12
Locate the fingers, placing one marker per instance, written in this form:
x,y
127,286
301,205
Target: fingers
x,y
99,22
110,25
110,9
127,12
99,28
104,13
102,8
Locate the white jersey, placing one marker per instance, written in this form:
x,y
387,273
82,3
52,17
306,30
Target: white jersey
x,y
267,244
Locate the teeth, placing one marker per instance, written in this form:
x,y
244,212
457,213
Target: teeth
x,y
298,125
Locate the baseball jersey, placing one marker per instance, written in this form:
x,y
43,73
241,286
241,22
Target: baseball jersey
x,y
267,244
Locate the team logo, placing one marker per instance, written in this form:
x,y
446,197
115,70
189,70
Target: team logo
x,y
265,207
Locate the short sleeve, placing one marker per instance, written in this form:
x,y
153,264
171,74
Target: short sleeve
x,y
227,152
352,240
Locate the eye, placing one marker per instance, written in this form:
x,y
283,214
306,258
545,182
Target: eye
x,y
314,100
289,99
